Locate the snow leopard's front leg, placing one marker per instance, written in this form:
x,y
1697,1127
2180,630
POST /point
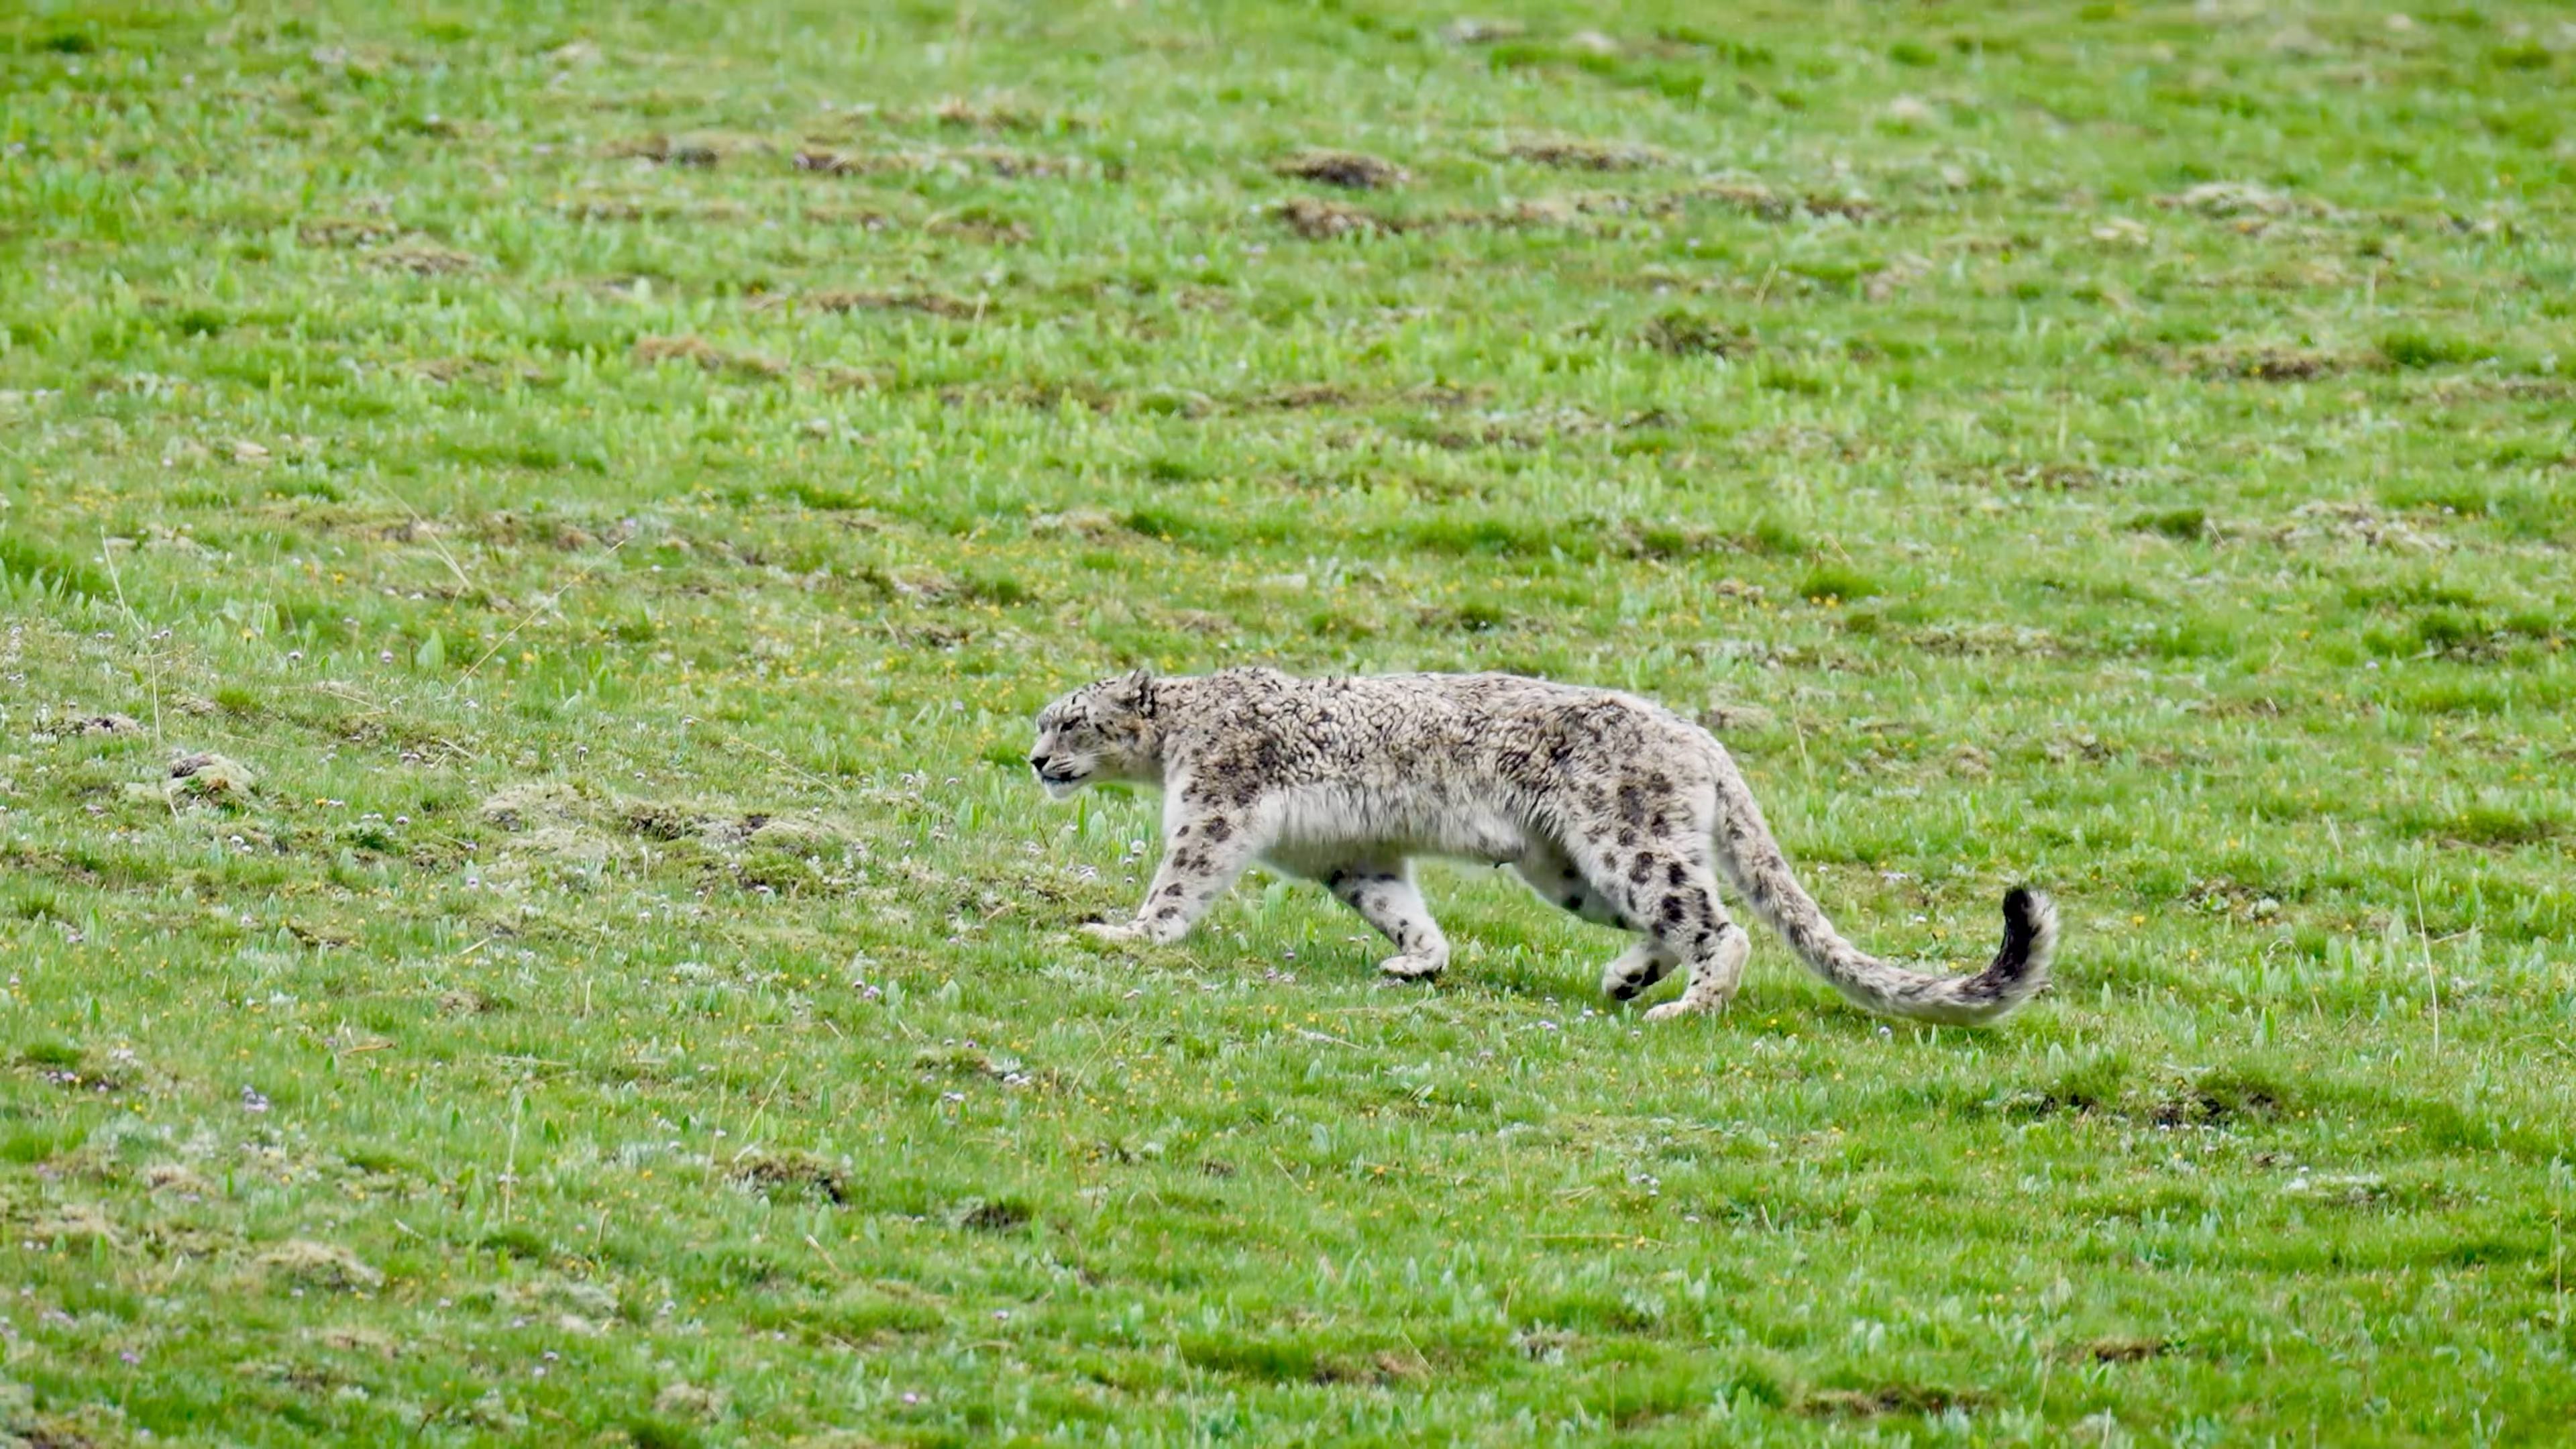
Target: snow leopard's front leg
x,y
1206,845
1384,895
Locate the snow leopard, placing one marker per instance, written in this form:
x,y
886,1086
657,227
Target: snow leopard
x,y
1606,804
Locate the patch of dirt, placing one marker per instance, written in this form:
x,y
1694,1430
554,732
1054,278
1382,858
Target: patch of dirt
x,y
1748,196
1757,199
351,1338
1473,30
2061,477
522,806
1538,211
1449,395
76,1071
800,1172
1849,208
1571,208
77,1225
1640,539
845,163
1542,1344
319,1265
93,1426
1895,277
2227,199
553,1292
1988,639
2248,208
1533,429
1007,164
1350,170
1910,110
626,208
1298,396
998,1216
1475,617
176,1177
445,370
2122,1350
1891,1399
935,304
2265,364
1571,154
424,258
1200,621
1084,523
2086,746
1045,397
804,834
1384,1368
554,820
1722,717
650,351
664,151
993,113
688,1401
2121,231
986,228
107,724
466,1001
2348,1189
965,160
2517,389
1684,334
346,231
2216,1099
1316,219
656,821
967,1060
2354,522
206,776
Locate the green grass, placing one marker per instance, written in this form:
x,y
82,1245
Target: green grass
x,y
618,981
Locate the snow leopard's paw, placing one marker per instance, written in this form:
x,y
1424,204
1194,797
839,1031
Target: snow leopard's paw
x,y
1410,968
1638,968
1113,933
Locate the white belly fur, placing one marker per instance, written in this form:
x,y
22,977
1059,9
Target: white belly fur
x,y
1329,825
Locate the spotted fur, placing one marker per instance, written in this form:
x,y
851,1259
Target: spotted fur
x,y
1608,806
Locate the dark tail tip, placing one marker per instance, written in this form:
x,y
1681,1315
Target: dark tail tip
x,y
2030,938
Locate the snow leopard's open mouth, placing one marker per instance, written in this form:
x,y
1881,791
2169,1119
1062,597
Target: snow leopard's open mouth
x,y
1060,783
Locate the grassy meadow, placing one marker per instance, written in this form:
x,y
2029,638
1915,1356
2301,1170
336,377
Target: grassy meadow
x,y
530,537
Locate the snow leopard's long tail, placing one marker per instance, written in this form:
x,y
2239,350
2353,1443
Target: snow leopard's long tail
x,y
1751,858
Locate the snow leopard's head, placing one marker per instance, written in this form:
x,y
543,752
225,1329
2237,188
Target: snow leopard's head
x,y
1103,731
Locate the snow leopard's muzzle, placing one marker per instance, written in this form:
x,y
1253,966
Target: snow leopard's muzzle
x,y
1060,774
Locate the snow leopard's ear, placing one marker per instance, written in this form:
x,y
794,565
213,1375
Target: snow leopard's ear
x,y
1134,689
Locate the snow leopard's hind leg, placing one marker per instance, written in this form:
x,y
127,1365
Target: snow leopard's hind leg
x,y
1550,873
1382,891
1661,883
1547,871
1640,966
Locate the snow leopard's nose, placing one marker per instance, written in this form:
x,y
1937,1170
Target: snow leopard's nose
x,y
1038,762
